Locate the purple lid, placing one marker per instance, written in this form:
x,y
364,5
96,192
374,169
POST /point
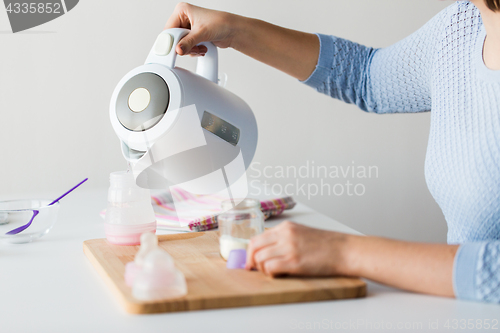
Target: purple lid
x,y
237,259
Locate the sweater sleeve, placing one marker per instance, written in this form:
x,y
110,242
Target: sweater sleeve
x,y
387,80
476,272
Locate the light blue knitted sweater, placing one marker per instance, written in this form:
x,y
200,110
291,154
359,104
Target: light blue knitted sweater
x,y
439,67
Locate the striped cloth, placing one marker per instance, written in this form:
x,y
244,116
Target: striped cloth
x,y
199,213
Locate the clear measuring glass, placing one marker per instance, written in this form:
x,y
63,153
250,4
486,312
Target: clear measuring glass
x,y
238,224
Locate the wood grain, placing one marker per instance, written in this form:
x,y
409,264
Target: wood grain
x,y
210,284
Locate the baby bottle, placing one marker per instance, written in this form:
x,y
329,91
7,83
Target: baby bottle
x,y
238,224
129,213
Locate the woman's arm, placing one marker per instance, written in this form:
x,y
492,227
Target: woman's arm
x,y
290,51
420,267
392,79
291,248
293,52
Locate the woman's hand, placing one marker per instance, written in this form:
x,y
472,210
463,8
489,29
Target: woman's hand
x,y
292,52
206,26
291,248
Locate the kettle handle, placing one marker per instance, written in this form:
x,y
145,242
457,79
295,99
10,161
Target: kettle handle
x,y
163,52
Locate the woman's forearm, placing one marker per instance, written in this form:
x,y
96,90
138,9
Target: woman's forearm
x,y
292,248
419,267
293,52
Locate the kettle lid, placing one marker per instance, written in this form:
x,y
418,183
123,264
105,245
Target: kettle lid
x,y
142,101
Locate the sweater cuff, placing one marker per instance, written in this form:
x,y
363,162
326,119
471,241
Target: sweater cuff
x,y
324,64
464,270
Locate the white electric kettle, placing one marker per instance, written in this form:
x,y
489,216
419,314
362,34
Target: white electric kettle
x,y
175,125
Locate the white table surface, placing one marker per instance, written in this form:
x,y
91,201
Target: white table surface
x,y
50,286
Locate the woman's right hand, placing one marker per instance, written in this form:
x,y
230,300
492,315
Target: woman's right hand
x,y
293,52
206,25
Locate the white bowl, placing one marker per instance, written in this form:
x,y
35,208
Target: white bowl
x,y
16,213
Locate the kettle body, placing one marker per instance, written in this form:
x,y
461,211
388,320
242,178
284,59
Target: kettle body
x,y
175,125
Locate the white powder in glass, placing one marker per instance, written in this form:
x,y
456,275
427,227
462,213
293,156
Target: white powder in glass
x,y
228,243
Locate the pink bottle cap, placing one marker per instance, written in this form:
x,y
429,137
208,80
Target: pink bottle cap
x,y
123,234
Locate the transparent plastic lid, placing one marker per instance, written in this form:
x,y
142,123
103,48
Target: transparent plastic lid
x,y
245,204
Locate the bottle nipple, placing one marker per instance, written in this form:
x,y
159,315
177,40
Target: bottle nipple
x,y
149,242
153,275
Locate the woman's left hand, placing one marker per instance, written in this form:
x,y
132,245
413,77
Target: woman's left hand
x,y
295,249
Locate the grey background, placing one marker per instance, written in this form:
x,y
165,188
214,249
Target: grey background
x,y
56,81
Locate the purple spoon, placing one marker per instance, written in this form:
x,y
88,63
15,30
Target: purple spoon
x,y
35,212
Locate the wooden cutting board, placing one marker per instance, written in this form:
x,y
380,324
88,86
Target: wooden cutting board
x,y
210,284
